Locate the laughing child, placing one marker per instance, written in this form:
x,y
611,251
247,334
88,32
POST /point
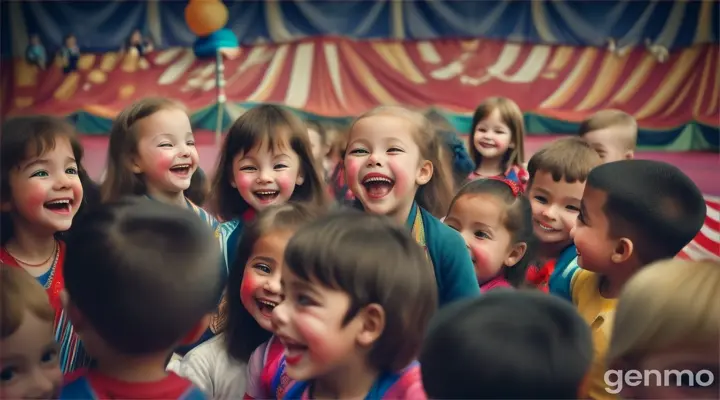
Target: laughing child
x,y
497,140
151,291
246,344
29,359
633,213
679,330
495,220
393,169
353,320
265,159
42,192
557,178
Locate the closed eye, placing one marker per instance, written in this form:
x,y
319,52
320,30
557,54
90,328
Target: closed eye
x,y
280,166
165,145
190,143
573,208
248,168
395,150
358,151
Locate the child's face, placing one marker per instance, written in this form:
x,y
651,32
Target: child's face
x,y
701,362
260,291
29,361
71,41
608,144
555,206
309,323
479,220
383,164
166,153
265,176
46,191
591,232
492,137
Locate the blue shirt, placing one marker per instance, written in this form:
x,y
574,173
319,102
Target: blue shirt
x,y
454,271
561,277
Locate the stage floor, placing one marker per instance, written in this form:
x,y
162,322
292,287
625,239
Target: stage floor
x,y
702,167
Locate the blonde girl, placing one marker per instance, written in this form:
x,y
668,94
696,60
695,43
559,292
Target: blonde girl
x,y
497,140
392,168
152,153
265,160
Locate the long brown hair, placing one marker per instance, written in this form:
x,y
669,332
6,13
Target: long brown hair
x,y
434,196
512,116
277,127
120,180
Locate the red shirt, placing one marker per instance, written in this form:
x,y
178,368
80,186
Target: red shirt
x,y
170,387
55,285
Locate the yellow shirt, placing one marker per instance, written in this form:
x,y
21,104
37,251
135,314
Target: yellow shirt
x,y
599,313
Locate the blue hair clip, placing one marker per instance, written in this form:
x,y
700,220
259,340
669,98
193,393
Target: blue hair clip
x,y
461,159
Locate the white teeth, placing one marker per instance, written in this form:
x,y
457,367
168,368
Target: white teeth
x,y
58,202
181,166
268,303
266,192
377,179
543,227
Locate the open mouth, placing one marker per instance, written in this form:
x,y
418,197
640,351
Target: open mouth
x,y
60,206
181,169
377,185
294,351
545,227
487,145
266,307
266,196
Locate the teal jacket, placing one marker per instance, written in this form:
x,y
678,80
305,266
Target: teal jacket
x,y
454,271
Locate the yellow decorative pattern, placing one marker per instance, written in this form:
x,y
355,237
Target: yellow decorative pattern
x,y
568,88
23,102
713,104
25,74
109,61
682,97
703,87
610,71
126,91
396,56
670,84
638,78
366,76
561,57
272,75
97,77
68,87
130,61
86,62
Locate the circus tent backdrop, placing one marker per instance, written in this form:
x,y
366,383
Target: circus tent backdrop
x,y
551,57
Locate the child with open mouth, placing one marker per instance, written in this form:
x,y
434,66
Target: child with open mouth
x,y
392,167
246,345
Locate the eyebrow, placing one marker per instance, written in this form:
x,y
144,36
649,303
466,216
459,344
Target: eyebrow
x,y
264,259
45,161
303,285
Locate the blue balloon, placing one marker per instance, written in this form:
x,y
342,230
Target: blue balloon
x,y
208,46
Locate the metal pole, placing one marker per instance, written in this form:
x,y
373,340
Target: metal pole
x,y
220,84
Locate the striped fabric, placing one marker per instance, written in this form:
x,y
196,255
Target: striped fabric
x,y
706,244
72,353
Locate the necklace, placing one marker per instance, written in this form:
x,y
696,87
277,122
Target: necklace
x,y
27,264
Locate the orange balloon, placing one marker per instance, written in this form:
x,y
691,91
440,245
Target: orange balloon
x,y
205,16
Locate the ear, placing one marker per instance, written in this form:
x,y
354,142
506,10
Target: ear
x,y
300,179
372,318
135,165
516,254
425,172
629,155
197,331
623,251
74,315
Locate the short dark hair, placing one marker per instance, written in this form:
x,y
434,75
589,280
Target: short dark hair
x,y
570,159
143,273
199,188
375,261
242,333
506,344
652,203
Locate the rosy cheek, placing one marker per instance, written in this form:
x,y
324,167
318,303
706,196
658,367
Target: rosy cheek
x,y
286,183
34,197
402,175
243,182
352,169
482,259
248,288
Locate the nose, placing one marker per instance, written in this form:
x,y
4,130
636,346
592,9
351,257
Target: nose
x,y
273,285
375,159
279,315
43,385
62,181
264,175
549,212
184,150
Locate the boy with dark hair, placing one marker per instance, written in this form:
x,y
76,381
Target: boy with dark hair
x,y
633,212
359,293
558,173
612,133
506,345
139,282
